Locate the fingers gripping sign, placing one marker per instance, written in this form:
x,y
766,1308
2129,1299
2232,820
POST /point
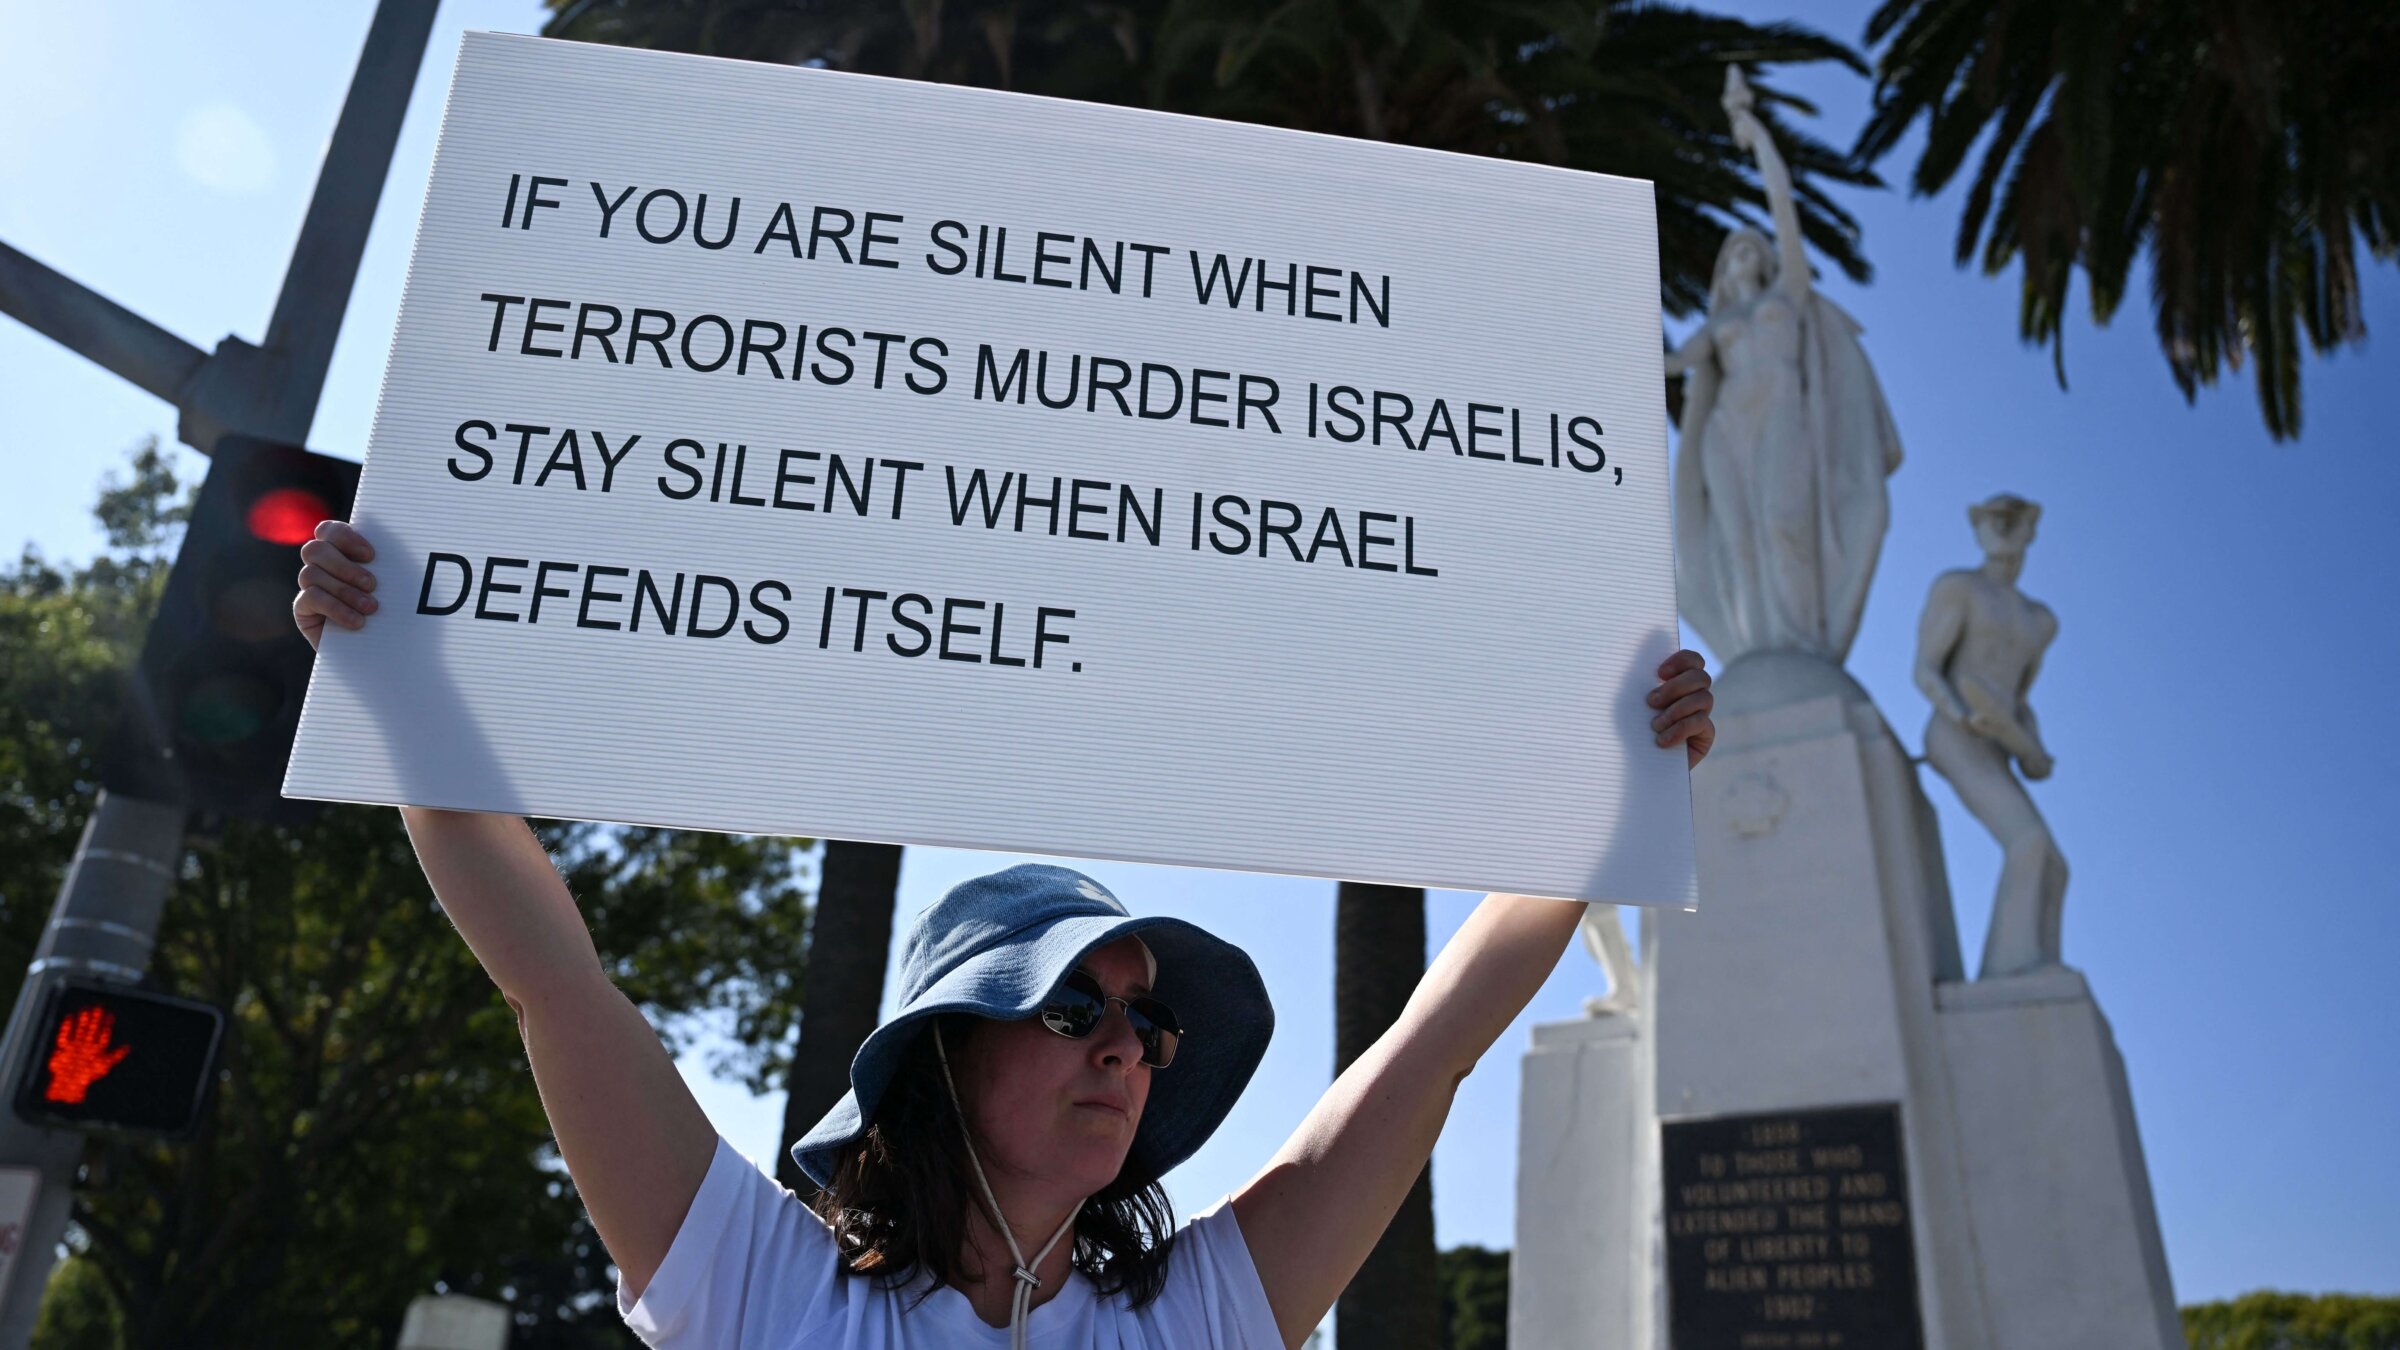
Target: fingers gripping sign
x,y
1684,700
334,581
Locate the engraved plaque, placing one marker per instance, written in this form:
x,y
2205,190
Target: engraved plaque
x,y
1790,1231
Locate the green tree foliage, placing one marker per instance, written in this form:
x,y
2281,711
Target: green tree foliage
x,y
66,639
2272,1321
374,1133
78,1312
2244,149
1614,86
1474,1284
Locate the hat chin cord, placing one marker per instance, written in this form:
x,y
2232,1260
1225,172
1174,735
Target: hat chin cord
x,y
1021,1302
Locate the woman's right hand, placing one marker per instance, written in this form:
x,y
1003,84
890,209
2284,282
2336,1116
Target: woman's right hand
x,y
334,581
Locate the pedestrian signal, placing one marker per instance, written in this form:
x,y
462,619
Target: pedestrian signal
x,y
112,1057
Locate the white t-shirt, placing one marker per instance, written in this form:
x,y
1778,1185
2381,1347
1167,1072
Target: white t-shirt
x,y
754,1268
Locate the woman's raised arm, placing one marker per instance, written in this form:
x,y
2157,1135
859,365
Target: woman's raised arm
x,y
1320,1206
634,1139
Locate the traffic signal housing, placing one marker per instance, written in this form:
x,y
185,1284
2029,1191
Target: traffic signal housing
x,y
217,697
115,1058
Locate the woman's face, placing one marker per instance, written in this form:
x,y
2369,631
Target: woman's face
x,y
1057,1111
1745,269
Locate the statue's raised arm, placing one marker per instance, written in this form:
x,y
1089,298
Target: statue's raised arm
x,y
1791,251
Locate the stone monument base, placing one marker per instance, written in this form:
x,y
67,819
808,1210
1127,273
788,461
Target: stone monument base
x,y
1585,1264
1809,1132
2058,1192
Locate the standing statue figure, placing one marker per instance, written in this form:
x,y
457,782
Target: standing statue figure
x,y
1786,441
1978,648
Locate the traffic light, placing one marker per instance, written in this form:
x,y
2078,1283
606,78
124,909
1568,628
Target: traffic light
x,y
218,693
112,1057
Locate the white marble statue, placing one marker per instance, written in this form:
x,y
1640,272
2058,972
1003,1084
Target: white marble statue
x,y
1786,442
1603,930
1978,648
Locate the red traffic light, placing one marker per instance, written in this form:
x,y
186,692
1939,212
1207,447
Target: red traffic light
x,y
288,516
224,672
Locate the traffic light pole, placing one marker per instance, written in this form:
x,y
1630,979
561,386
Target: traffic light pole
x,y
101,928
108,908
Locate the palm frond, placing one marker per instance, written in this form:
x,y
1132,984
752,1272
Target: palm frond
x,y
2240,150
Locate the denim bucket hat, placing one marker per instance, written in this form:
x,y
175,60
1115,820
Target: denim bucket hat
x,y
998,945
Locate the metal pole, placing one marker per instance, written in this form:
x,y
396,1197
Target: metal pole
x,y
271,391
101,927
77,317
333,236
108,909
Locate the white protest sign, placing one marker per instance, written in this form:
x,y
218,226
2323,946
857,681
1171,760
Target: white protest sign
x,y
779,451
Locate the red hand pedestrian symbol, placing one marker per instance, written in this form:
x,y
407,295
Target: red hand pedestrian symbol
x,y
82,1055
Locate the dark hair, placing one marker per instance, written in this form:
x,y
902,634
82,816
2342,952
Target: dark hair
x,y
900,1195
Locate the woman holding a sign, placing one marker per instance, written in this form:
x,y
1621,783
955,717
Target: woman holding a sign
x,y
995,1166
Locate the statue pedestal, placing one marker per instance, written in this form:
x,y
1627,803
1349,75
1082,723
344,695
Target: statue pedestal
x,y
1810,1135
2061,1205
1582,1270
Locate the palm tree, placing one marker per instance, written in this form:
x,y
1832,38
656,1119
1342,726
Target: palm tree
x,y
1063,48
849,940
1395,1300
1610,86
1615,86
2243,148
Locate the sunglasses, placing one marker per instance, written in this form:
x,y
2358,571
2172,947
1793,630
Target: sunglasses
x,y
1075,1010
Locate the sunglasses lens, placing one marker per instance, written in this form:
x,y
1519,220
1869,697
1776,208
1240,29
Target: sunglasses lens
x,y
1076,1009
1155,1026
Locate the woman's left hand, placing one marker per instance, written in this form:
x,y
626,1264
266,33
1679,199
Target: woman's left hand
x,y
1683,701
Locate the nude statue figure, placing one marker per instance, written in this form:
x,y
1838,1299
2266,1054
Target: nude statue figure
x,y
1979,646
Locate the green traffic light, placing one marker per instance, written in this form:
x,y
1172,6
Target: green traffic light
x,y
229,707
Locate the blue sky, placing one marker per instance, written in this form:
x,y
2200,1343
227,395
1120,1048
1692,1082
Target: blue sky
x,y
2225,784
